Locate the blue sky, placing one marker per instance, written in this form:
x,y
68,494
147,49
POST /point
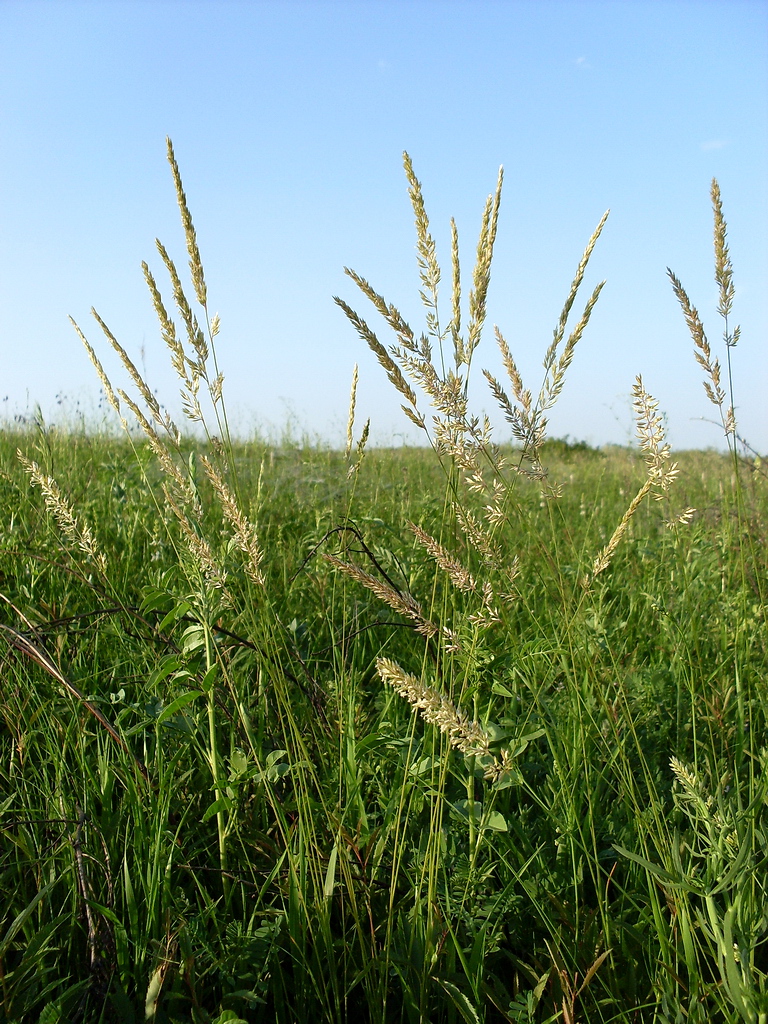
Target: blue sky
x,y
289,121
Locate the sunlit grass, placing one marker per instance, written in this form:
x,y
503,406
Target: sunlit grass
x,y
467,732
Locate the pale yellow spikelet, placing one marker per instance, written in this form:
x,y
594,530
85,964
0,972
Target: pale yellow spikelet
x,y
393,371
459,353
681,519
195,263
158,446
425,244
691,785
167,326
392,315
481,277
661,472
466,735
490,613
459,575
195,335
723,267
702,350
105,382
197,545
62,511
244,531
556,376
650,434
360,450
605,557
555,366
478,537
402,603
351,416
575,285
216,388
141,385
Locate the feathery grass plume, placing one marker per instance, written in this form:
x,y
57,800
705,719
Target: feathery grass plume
x,y
702,351
446,390
190,371
392,315
690,783
164,421
195,263
723,267
661,474
489,613
519,414
429,269
724,279
351,416
459,575
605,557
555,373
465,734
360,450
402,603
167,326
197,545
105,382
158,447
393,371
528,422
650,434
695,793
245,532
141,385
463,438
61,510
481,277
478,537
459,352
195,334
681,519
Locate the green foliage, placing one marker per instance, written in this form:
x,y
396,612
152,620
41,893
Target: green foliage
x,y
214,810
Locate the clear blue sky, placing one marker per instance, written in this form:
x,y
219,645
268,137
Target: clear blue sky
x,y
289,120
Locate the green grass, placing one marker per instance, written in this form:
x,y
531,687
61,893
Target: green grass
x,y
213,807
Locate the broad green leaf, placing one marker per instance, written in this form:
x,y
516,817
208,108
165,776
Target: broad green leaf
x,y
176,705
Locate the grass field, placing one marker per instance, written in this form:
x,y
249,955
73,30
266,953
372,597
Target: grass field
x,y
453,733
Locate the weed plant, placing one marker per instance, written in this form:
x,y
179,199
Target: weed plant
x,y
468,732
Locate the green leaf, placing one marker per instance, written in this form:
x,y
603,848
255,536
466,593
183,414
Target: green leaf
x,y
330,874
463,809
502,690
210,678
18,921
177,612
222,804
177,704
193,638
460,1001
659,872
166,668
155,600
426,764
153,993
496,821
238,762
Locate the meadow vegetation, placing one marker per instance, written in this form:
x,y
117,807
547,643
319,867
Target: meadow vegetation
x,y
473,731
